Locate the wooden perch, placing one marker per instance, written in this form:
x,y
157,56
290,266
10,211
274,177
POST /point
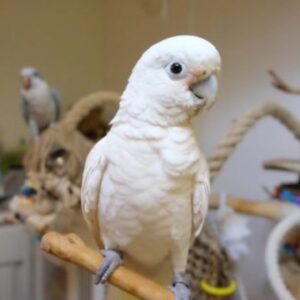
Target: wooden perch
x,y
275,210
72,249
288,165
281,85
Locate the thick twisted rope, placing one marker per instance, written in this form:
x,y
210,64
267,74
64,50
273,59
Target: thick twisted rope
x,y
272,255
224,150
86,104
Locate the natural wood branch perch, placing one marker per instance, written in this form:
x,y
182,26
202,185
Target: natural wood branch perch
x,y
288,165
281,85
72,249
275,210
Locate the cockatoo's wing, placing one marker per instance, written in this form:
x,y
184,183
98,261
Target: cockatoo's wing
x,y
200,200
24,108
91,183
57,102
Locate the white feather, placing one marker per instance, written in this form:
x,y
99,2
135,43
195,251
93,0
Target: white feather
x,y
146,184
233,230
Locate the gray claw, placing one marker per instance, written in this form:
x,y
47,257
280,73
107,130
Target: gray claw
x,y
180,287
112,259
181,291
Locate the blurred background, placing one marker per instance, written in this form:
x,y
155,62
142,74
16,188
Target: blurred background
x,y
85,46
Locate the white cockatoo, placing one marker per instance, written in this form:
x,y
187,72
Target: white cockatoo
x,y
40,104
146,184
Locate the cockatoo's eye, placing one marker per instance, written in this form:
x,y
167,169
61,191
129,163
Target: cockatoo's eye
x,y
176,70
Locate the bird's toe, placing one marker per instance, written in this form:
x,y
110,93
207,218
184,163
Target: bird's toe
x,y
181,291
112,259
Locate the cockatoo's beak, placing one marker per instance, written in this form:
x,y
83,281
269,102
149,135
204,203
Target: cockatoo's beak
x,y
205,90
26,82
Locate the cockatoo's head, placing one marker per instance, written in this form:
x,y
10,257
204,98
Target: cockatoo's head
x,y
29,77
173,80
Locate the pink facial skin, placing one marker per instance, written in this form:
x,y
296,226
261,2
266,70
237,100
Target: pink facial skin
x,y
194,76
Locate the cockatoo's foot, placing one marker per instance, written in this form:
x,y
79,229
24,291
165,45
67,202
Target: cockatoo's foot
x,y
112,259
180,287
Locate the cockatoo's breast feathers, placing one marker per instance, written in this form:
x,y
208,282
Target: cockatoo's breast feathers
x,y
173,80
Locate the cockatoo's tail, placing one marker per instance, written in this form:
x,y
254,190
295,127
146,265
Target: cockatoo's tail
x,y
146,184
